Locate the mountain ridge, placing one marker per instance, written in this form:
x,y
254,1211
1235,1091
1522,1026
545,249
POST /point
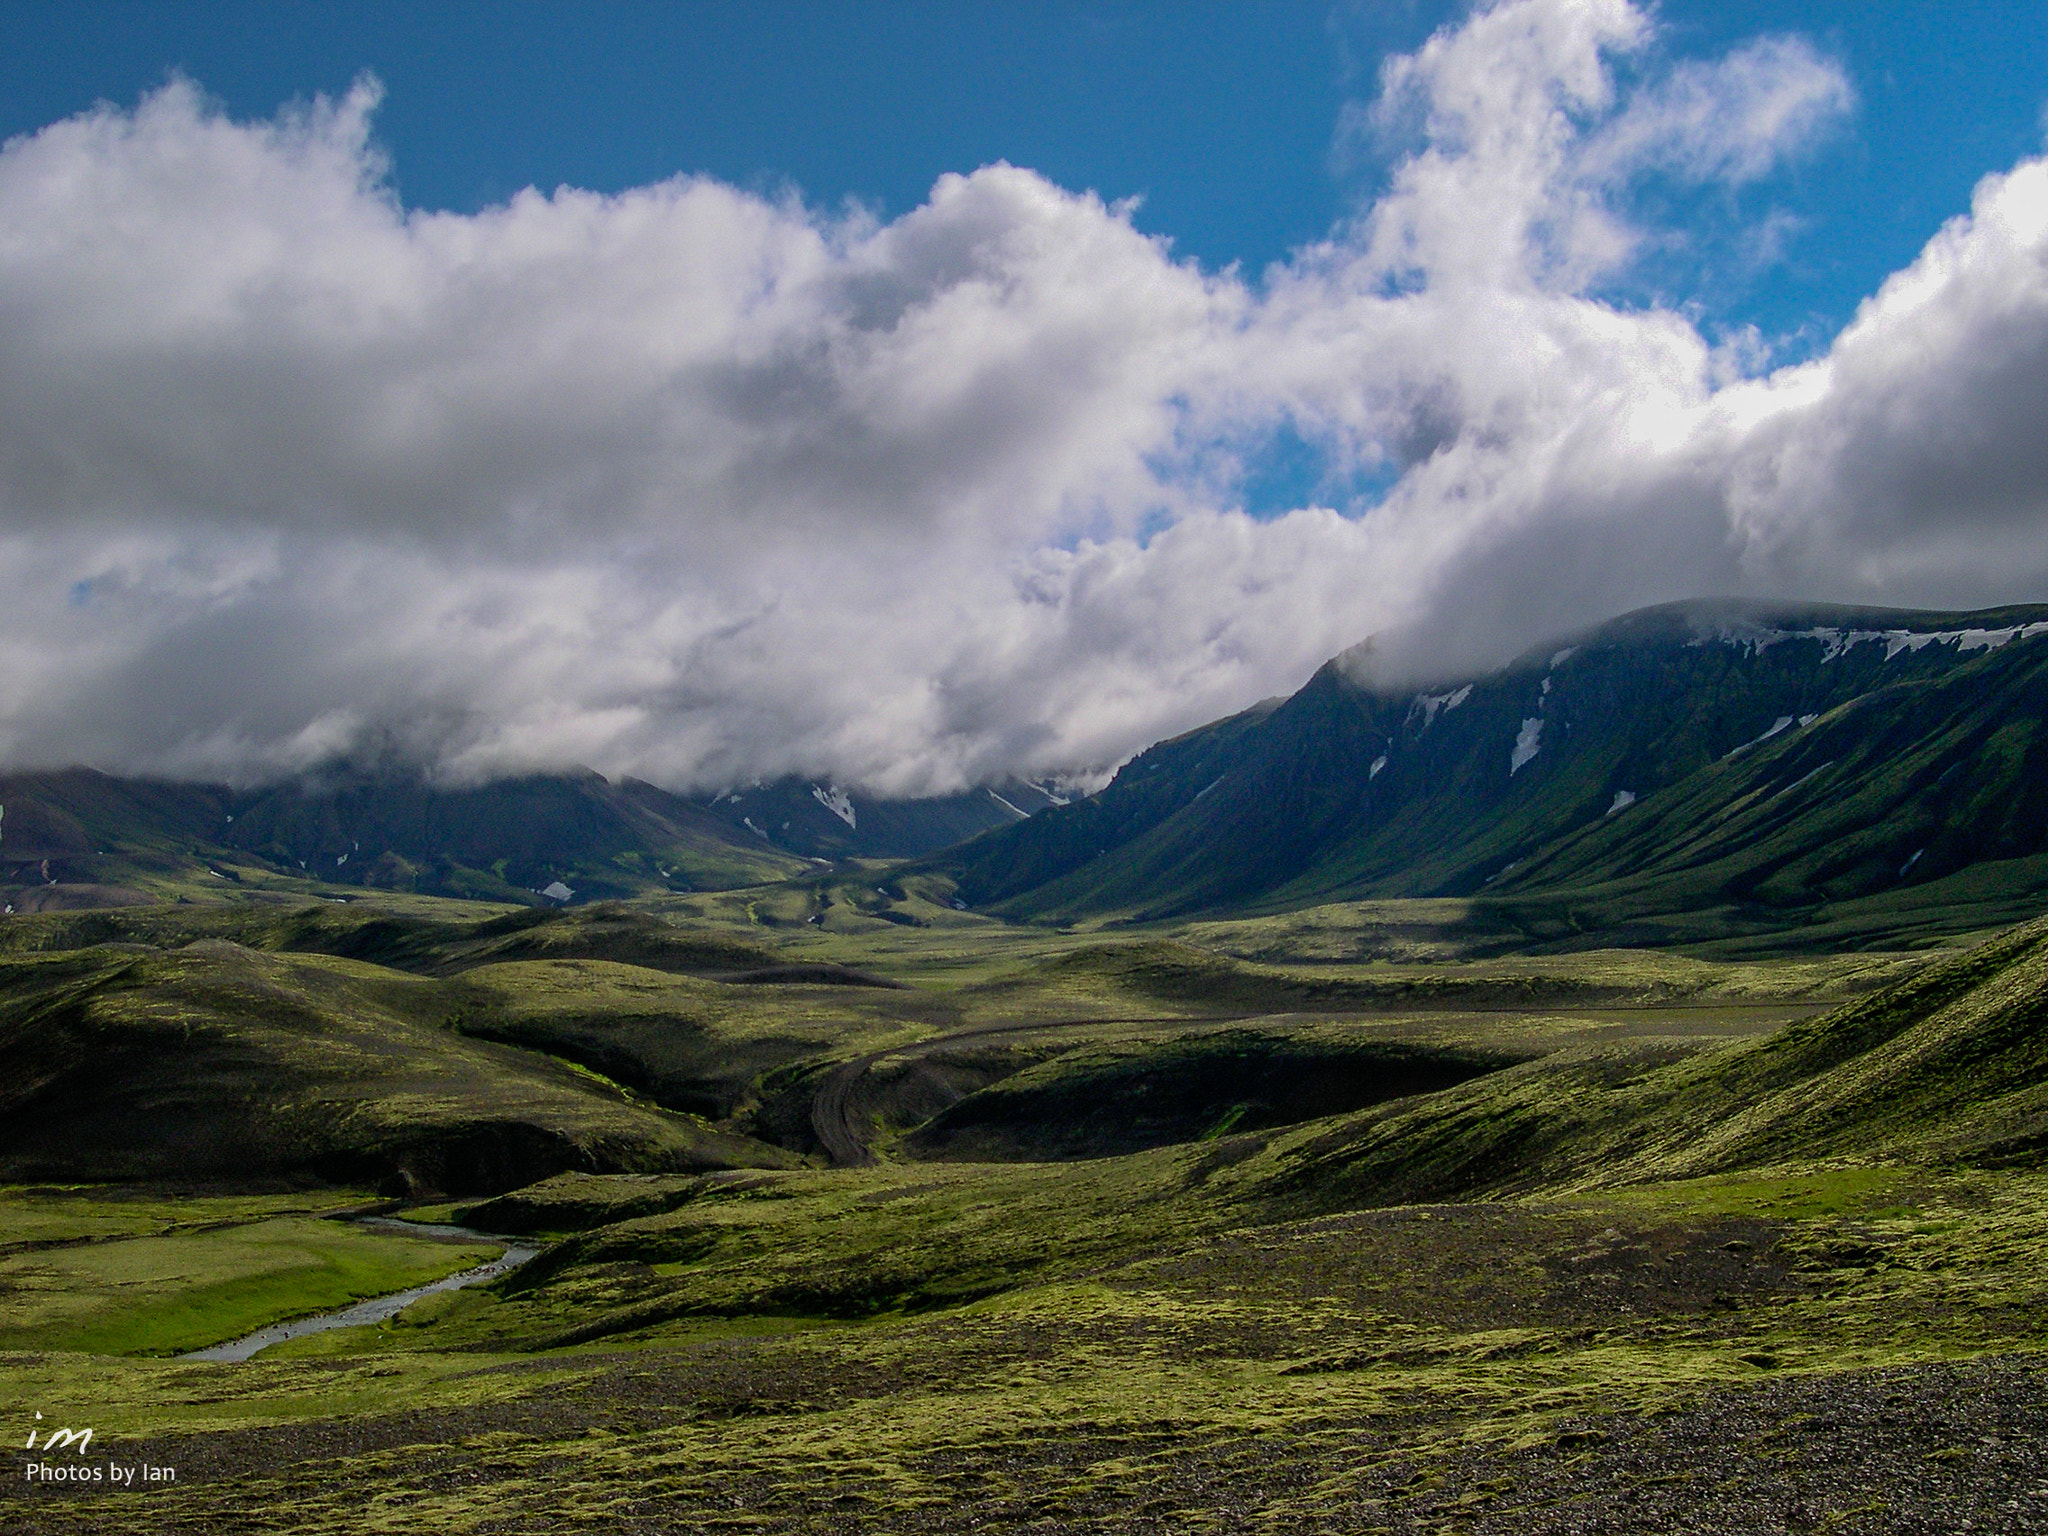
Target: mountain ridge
x,y
1542,775
1768,763
77,837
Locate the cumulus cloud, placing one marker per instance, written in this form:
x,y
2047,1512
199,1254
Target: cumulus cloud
x,y
705,486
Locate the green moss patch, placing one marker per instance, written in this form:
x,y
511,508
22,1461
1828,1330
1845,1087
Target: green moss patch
x,y
186,1289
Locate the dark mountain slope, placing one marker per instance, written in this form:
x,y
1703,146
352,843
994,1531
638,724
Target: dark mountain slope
x,y
1159,782
1581,765
1897,789
499,841
89,834
78,838
419,945
822,821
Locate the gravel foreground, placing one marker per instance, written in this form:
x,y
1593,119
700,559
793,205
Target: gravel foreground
x,y
1929,1449
1925,1450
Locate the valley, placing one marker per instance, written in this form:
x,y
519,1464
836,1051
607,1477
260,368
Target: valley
x,y
1037,1232
1451,1146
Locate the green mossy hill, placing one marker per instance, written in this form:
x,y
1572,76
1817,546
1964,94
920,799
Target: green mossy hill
x,y
216,1060
605,932
1951,1064
577,1202
1849,1351
693,1044
1185,975
1948,1068
1443,938
1674,1274
1108,1099
431,946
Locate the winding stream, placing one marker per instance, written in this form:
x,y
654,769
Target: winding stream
x,y
378,1308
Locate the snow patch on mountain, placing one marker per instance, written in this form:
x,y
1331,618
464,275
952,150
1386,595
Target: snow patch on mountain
x,y
836,801
1430,703
1777,725
1527,745
1838,642
1802,779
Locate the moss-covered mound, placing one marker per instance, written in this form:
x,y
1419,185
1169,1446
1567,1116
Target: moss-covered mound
x,y
216,1060
1120,1097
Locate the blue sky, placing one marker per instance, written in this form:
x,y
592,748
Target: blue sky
x,y
1220,116
867,457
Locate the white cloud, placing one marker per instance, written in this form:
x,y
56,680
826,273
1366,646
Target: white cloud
x,y
1730,120
1915,454
703,486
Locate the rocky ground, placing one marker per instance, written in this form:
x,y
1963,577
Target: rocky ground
x,y
1923,1450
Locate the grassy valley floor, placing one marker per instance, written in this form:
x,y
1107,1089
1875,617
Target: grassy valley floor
x,y
1603,1243
1828,1349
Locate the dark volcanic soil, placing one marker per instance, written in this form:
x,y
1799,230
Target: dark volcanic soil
x,y
1912,1451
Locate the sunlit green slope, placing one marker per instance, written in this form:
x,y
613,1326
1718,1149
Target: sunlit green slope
x,y
1948,1069
207,1059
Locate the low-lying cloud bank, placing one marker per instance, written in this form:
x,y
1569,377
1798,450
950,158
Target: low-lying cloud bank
x,y
704,487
